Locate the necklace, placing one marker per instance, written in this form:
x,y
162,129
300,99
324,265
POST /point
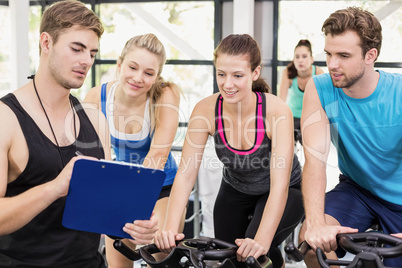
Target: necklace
x,y
50,125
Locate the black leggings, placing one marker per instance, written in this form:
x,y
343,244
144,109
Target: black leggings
x,y
238,215
297,130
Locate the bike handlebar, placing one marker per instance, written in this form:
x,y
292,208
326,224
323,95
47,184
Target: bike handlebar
x,y
367,246
349,242
196,250
297,254
130,254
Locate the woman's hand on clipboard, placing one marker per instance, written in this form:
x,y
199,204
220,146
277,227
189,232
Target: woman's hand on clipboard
x,y
142,231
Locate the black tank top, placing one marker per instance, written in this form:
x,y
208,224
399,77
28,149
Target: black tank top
x,y
248,171
44,242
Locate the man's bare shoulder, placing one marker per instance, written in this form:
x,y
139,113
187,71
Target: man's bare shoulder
x,y
12,146
8,121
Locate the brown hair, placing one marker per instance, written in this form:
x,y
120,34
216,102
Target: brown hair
x,y
243,44
68,13
292,71
151,43
362,22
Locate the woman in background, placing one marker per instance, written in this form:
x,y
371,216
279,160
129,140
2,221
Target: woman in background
x,y
295,77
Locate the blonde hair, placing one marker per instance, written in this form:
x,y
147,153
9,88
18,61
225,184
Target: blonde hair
x,y
151,43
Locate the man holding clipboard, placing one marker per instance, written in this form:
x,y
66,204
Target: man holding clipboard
x,y
105,195
43,127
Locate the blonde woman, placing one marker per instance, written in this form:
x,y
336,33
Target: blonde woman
x,y
142,112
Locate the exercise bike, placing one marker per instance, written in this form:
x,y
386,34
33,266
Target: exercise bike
x,y
369,248
203,252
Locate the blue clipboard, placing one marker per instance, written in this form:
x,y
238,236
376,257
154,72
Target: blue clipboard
x,y
105,195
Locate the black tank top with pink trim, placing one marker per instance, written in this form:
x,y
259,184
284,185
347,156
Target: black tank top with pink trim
x,y
248,171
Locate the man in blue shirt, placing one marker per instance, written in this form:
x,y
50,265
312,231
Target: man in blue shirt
x,y
359,110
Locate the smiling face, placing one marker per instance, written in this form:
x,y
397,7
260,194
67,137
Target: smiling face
x,y
71,57
345,62
138,72
235,77
302,59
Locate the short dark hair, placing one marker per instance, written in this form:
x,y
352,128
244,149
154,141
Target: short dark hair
x,y
360,21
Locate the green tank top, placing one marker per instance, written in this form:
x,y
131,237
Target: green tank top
x,y
295,97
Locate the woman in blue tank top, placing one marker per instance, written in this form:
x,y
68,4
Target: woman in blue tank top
x,y
295,77
142,111
259,201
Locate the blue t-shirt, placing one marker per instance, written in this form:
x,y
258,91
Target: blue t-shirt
x,y
367,134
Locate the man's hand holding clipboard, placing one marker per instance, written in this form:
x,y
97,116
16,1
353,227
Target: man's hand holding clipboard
x,y
113,198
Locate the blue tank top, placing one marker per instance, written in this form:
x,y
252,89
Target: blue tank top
x,y
248,171
133,148
367,134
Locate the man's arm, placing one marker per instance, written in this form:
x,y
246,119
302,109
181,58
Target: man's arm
x,y
19,210
316,143
320,229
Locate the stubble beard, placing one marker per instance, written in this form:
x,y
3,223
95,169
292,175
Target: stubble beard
x,y
57,75
348,81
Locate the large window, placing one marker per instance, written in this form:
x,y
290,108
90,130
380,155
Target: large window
x,y
190,30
